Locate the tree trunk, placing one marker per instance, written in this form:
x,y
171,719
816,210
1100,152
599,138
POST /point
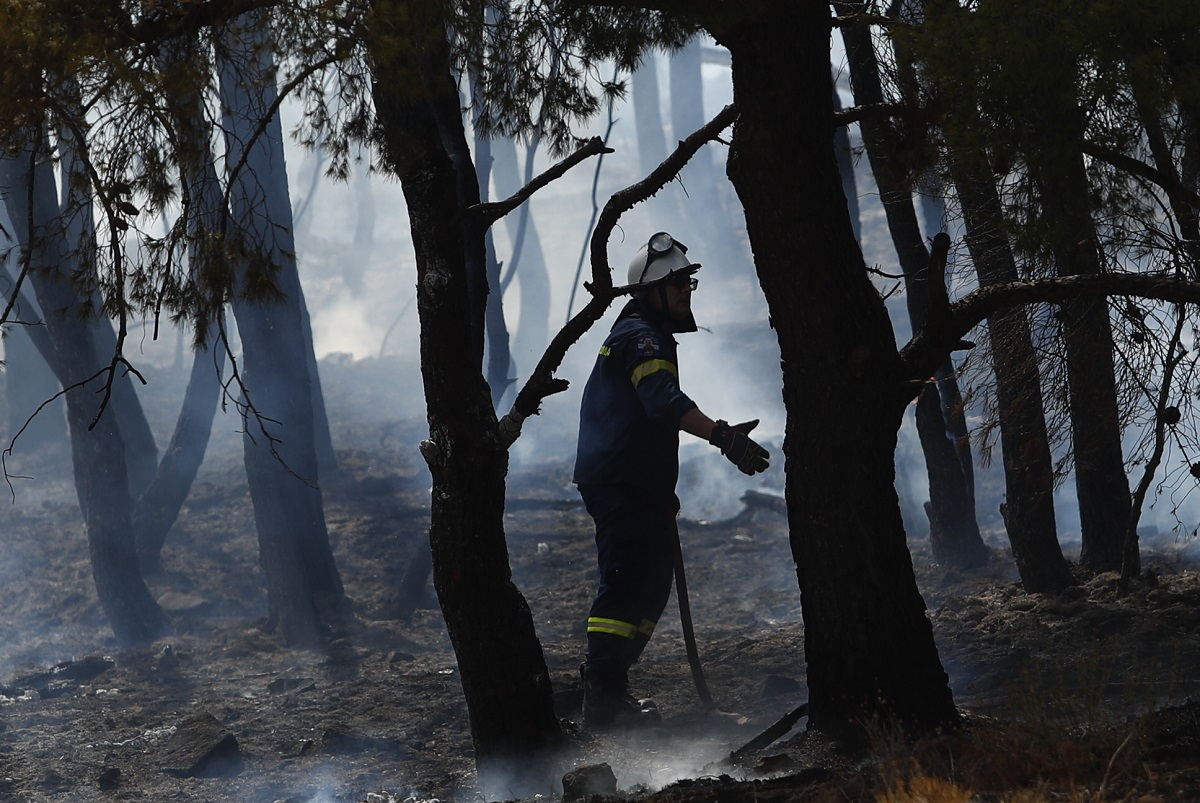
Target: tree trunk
x,y
29,382
533,281
504,676
869,646
499,350
1101,485
711,230
156,511
845,159
1028,509
97,448
158,508
76,199
305,598
952,501
647,114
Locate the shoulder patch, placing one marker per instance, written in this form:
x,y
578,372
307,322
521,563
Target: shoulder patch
x,y
648,346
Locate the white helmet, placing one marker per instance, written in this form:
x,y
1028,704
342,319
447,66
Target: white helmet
x,y
661,256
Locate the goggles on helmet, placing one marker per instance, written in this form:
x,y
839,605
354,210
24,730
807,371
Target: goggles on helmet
x,y
660,245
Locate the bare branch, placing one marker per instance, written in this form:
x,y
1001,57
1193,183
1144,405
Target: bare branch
x,y
489,213
868,111
937,339
848,20
542,382
1139,168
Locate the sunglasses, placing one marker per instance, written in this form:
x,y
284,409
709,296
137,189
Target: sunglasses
x,y
682,280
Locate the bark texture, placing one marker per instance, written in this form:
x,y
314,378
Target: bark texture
x,y
1028,510
504,675
868,643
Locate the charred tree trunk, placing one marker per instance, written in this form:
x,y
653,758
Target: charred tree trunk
x,y
504,676
97,448
954,529
305,598
868,643
1028,466
1101,485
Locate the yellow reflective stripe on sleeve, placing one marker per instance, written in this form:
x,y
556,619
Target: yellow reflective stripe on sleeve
x,y
614,626
652,366
605,351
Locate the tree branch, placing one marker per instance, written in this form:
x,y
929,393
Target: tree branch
x,y
542,382
489,213
848,20
868,111
934,342
1139,168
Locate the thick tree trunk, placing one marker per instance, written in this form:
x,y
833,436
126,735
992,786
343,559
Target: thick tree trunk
x,y
97,448
305,598
504,676
954,529
1028,467
868,643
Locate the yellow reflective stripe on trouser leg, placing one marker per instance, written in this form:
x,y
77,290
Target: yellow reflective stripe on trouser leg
x,y
616,627
647,628
652,366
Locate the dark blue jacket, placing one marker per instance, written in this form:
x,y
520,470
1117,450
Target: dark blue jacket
x,y
629,418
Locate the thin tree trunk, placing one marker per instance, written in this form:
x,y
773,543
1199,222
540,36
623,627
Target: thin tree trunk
x,y
647,114
954,529
97,448
499,349
845,160
141,451
305,598
156,510
1101,485
533,281
1028,509
30,381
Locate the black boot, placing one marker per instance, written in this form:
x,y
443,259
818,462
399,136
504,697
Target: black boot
x,y
608,705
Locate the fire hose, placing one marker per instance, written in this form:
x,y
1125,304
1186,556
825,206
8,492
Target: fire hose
x,y
772,733
685,619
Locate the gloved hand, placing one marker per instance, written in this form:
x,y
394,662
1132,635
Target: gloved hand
x,y
748,456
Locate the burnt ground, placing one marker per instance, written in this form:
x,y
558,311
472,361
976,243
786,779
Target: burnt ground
x,y
1059,691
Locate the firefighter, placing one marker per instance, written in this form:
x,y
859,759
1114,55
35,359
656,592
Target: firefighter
x,y
626,468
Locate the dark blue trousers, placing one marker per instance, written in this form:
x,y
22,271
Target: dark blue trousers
x,y
635,545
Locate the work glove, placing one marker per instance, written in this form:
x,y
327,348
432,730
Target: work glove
x,y
748,456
